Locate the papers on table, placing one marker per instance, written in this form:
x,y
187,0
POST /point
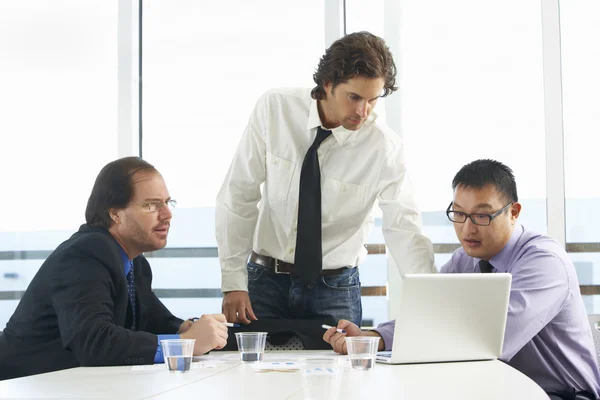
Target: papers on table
x,y
276,366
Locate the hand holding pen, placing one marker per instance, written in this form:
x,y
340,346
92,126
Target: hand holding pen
x,y
336,335
209,331
329,327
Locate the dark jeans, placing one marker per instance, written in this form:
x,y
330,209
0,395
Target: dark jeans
x,y
286,297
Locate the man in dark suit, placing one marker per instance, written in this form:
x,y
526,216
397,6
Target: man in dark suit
x,y
91,302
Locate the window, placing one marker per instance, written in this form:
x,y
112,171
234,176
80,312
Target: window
x,y
580,26
58,74
470,77
204,67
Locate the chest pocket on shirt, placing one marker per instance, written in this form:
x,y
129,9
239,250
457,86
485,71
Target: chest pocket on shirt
x,y
339,199
279,178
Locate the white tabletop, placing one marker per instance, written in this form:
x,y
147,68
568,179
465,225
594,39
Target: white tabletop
x,y
221,375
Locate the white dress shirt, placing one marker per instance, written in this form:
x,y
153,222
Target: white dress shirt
x,y
357,168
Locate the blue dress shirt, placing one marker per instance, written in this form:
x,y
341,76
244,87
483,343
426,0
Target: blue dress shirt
x,y
158,357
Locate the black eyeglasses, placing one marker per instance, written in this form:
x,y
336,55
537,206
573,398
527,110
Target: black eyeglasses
x,y
478,219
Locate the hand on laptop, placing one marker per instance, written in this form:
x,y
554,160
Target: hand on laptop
x,y
337,340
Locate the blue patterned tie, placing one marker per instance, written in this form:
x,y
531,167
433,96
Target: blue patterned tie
x,y
131,291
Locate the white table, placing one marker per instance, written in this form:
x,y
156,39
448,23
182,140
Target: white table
x,y
227,378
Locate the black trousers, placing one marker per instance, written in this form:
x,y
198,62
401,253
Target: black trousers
x,y
570,394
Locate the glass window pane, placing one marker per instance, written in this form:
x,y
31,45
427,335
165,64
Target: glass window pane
x,y
587,266
580,30
365,16
471,86
204,68
58,74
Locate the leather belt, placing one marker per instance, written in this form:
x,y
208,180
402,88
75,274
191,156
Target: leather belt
x,y
286,268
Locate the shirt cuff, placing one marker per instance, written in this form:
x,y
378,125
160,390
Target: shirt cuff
x,y
234,280
159,357
386,331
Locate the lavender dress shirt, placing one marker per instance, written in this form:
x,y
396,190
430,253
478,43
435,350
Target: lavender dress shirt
x,y
548,336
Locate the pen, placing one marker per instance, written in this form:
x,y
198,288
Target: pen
x,y
228,324
329,327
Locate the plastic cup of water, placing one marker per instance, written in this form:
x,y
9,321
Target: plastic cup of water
x,y
362,351
178,354
251,345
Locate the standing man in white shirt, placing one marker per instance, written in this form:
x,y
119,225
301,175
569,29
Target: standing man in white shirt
x,y
324,159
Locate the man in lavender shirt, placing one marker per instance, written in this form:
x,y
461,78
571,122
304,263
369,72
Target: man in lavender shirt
x,y
548,336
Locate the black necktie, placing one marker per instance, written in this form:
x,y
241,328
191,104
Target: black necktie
x,y
131,291
308,260
485,267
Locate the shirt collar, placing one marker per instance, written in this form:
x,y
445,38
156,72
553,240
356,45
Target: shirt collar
x,y
501,261
340,133
126,261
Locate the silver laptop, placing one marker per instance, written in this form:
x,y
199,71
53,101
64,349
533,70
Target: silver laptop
x,y
449,317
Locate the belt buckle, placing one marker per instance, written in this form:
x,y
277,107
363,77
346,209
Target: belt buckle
x,y
277,271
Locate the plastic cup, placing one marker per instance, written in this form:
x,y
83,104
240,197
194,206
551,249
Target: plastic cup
x,y
178,354
322,382
362,351
251,345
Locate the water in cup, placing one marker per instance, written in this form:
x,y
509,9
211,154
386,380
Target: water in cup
x,y
362,351
178,354
178,363
362,363
251,345
251,357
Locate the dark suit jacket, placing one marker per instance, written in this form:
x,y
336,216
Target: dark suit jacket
x,y
76,310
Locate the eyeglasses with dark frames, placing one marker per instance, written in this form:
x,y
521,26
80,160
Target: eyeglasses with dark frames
x,y
476,218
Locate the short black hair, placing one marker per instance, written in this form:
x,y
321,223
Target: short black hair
x,y
480,173
113,189
356,54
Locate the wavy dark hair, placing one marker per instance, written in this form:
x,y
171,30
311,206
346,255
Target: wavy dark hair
x,y
113,189
480,173
356,54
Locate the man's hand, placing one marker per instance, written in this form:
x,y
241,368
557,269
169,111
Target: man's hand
x,y
237,307
210,333
337,340
185,326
